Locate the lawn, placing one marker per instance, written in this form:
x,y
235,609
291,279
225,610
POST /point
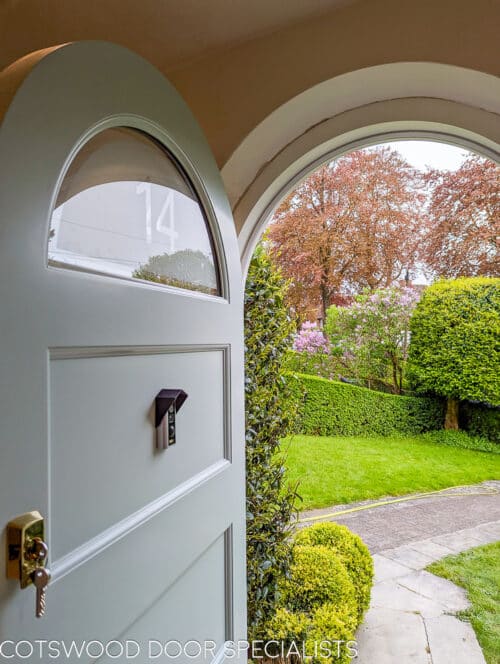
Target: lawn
x,y
334,470
478,571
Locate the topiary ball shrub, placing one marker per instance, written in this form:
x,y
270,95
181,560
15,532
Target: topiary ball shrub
x,y
317,575
286,627
351,550
323,635
454,350
331,627
323,597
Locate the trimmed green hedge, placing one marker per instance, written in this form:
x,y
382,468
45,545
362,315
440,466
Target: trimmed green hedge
x,y
331,408
270,500
480,420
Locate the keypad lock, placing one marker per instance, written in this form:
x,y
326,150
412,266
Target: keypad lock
x,y
167,404
27,555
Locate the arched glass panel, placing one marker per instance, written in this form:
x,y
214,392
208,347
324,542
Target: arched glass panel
x,y
126,209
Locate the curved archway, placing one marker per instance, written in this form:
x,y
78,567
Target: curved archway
x,y
377,104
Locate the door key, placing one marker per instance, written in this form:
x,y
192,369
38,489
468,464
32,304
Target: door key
x,y
41,578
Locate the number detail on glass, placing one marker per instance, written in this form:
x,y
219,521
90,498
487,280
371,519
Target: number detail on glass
x,y
126,209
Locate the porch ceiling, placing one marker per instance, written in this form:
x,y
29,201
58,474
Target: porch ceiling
x,y
236,62
168,33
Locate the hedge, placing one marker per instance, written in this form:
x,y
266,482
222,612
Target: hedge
x,y
480,420
332,408
270,501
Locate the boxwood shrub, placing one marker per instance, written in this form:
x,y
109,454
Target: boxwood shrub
x,y
318,575
302,633
351,550
454,350
332,408
325,594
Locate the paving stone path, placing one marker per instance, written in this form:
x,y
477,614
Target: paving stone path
x,y
411,619
400,523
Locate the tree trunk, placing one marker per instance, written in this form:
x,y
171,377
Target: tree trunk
x,y
324,300
400,379
394,377
397,377
451,418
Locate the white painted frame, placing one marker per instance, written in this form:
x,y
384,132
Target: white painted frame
x,y
407,101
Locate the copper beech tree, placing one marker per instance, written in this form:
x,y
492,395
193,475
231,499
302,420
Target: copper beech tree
x,y
464,220
353,223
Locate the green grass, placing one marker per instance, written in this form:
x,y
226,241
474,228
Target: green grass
x,y
346,469
478,571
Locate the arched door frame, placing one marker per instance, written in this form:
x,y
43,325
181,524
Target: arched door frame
x,y
258,219
367,107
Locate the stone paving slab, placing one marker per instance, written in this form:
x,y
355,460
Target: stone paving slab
x,y
458,541
418,555
436,589
431,549
481,533
392,595
452,641
379,642
385,568
405,555
490,529
411,619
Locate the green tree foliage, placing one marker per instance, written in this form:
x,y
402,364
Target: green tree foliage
x,y
455,342
269,417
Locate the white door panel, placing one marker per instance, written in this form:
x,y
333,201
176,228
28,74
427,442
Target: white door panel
x,y
203,617
144,544
110,450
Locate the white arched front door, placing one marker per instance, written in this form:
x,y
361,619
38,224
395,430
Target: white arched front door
x,y
120,277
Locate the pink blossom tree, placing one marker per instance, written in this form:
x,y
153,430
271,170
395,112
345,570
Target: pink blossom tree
x,y
310,339
312,352
372,335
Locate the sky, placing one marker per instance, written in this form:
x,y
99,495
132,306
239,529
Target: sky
x,y
421,154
